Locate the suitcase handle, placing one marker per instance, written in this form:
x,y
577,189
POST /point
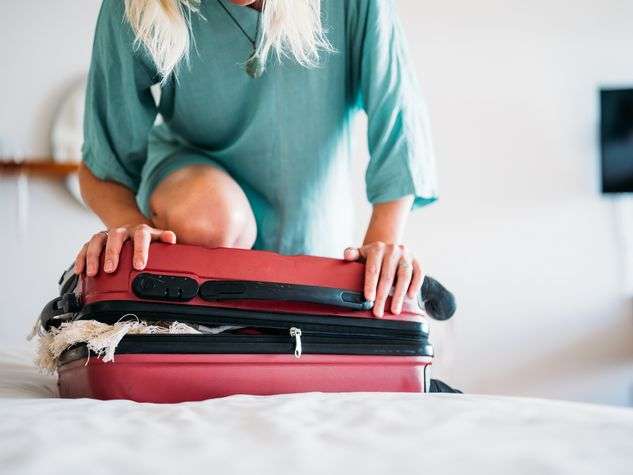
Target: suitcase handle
x,y
59,310
438,302
217,290
50,311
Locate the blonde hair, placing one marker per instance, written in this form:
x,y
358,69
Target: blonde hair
x,y
289,28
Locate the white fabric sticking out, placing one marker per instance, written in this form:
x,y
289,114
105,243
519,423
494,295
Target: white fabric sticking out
x,y
103,339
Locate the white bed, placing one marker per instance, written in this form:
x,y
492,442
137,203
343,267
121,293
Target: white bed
x,y
306,433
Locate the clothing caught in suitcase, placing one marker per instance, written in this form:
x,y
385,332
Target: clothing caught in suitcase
x,y
293,324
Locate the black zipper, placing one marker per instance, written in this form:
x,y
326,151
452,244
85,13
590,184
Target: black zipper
x,y
256,344
266,344
283,333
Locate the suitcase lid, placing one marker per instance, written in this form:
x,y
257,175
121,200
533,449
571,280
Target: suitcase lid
x,y
248,279
183,279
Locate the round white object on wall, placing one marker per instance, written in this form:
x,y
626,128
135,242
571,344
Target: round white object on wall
x,y
67,133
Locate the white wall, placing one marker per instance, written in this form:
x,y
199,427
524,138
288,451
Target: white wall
x,y
44,48
521,233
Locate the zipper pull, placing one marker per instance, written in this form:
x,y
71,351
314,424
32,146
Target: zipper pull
x,y
296,334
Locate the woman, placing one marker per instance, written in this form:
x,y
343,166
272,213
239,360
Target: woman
x,y
257,100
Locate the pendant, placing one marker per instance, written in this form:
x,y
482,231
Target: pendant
x,y
255,67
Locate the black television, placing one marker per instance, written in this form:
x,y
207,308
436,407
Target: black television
x,y
616,140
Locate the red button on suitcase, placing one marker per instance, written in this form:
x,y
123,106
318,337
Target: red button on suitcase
x,y
308,325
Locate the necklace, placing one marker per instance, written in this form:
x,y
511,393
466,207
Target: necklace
x,y
254,66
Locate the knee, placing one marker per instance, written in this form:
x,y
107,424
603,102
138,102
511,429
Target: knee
x,y
218,228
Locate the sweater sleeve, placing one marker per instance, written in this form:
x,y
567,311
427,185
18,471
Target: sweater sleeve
x,y
119,108
401,153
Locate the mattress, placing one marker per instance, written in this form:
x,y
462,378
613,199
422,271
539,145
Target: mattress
x,y
311,433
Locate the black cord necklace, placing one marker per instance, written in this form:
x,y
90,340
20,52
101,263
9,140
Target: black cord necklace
x,y
254,67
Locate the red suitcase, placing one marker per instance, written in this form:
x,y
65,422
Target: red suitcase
x,y
313,329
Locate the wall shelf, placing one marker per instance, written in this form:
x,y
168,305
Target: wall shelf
x,y
37,166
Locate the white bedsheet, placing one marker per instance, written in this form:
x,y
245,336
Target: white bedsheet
x,y
306,433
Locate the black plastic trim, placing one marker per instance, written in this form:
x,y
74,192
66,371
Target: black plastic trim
x,y
218,290
164,287
111,311
439,302
255,344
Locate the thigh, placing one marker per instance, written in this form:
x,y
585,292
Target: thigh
x,y
203,205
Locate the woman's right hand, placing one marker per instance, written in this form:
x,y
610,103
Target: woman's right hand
x,y
113,239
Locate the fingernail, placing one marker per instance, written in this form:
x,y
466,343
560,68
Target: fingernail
x,y
91,269
108,266
138,263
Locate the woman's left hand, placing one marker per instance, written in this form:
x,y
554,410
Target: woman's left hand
x,y
386,264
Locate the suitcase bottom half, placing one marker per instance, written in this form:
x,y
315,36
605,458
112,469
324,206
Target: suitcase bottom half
x,y
173,378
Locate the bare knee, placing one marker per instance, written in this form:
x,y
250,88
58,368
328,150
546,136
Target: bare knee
x,y
219,228
204,206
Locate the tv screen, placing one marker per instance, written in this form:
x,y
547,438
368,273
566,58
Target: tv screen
x,y
616,131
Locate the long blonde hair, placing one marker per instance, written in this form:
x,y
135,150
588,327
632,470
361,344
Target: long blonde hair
x,y
289,28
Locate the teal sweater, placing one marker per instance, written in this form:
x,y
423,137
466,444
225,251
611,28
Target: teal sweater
x,y
284,137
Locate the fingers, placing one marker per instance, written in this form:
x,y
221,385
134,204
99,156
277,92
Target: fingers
x,y
88,257
168,237
93,251
391,256
80,260
403,279
386,265
351,254
373,264
416,282
116,238
142,237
